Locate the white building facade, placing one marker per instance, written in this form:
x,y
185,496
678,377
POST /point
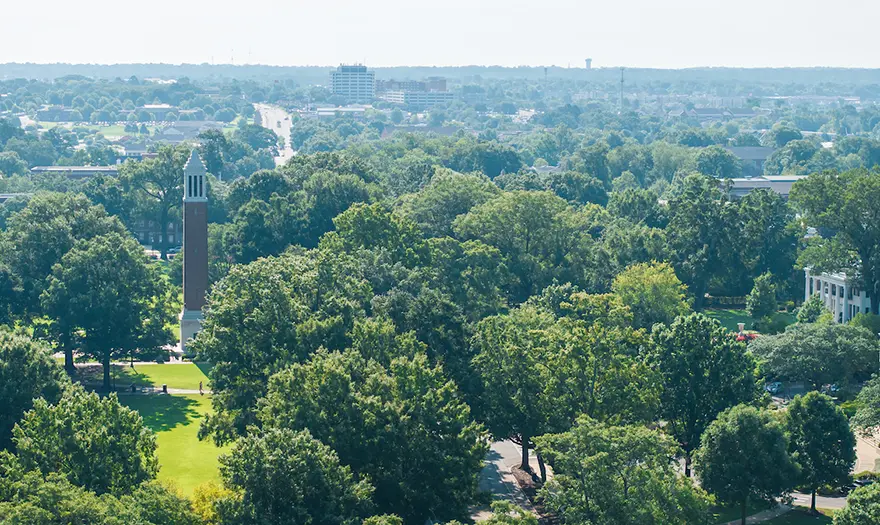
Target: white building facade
x,y
843,299
418,100
356,83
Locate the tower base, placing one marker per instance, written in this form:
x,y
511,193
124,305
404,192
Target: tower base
x,y
190,324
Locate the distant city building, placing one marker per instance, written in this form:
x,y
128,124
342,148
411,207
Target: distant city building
x,y
418,100
841,297
6,196
159,111
354,83
184,130
357,112
430,84
589,63
780,184
76,172
414,94
752,158
58,114
711,114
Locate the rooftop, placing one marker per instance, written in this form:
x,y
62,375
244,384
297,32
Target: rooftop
x,y
64,169
751,152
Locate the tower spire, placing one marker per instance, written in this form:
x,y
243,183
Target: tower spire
x,y
195,247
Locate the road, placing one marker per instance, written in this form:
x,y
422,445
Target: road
x,y
271,116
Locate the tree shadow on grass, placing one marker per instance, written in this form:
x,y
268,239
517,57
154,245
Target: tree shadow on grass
x,y
121,376
205,368
163,412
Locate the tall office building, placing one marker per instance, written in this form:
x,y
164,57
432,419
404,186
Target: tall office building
x,y
195,247
356,84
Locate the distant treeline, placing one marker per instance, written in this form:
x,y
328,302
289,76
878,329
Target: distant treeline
x,y
318,74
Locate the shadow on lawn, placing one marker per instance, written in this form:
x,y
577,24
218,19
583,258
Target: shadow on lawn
x,y
121,376
204,367
163,412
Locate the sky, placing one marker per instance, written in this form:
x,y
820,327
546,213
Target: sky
x,y
632,33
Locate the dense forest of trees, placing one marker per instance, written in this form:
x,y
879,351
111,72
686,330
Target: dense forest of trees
x,y
382,309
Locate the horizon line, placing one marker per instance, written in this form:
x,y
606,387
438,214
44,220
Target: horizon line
x,y
422,66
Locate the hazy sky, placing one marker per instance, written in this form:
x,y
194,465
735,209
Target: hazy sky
x,y
637,33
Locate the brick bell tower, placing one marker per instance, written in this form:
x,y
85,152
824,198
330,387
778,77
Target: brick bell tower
x,y
195,248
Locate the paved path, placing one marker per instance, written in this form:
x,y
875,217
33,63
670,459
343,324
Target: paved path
x,y
763,515
497,479
867,455
822,502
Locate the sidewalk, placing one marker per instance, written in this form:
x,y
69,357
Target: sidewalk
x,y
497,479
763,515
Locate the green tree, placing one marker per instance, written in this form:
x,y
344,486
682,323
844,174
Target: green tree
x,y
392,424
744,456
862,507
214,146
538,373
40,234
696,234
448,195
868,400
703,371
653,293
267,315
768,237
637,205
821,442
829,200
761,301
718,162
811,310
29,497
11,164
781,134
285,477
161,181
107,292
27,372
611,475
818,353
537,231
96,443
509,350
578,188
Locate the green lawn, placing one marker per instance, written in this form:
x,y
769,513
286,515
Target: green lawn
x,y
186,376
184,460
801,517
729,317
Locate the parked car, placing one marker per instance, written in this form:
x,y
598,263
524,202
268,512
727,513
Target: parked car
x,y
830,389
774,387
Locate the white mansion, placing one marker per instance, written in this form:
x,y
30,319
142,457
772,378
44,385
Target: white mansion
x,y
841,297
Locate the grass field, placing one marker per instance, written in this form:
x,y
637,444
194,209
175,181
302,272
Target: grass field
x,y
186,376
729,317
183,459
